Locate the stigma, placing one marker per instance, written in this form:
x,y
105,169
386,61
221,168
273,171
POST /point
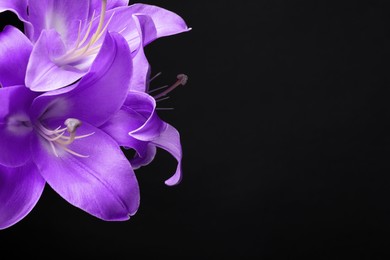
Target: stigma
x,y
181,81
58,139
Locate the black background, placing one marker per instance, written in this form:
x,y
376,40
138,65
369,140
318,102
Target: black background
x,y
285,133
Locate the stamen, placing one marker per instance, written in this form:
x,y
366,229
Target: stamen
x,y
181,80
164,108
101,21
157,89
155,76
54,149
74,153
78,35
106,26
88,30
162,99
56,137
81,50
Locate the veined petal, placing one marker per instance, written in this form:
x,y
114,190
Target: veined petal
x,y
169,140
63,16
15,126
20,190
43,74
103,184
99,94
15,51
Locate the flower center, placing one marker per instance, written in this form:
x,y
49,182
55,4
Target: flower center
x,y
87,45
58,139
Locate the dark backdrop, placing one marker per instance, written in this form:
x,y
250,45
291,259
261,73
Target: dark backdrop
x,y
285,133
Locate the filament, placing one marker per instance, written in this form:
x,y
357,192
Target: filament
x,y
83,49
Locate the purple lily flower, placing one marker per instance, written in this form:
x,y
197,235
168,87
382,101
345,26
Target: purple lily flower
x,y
19,7
56,137
67,35
137,126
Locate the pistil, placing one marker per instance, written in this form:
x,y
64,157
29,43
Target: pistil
x,y
181,81
57,137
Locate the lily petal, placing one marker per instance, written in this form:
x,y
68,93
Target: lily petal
x,y
145,106
104,184
19,7
15,49
99,94
15,126
136,124
118,128
159,23
20,190
120,124
145,157
141,72
162,22
43,74
169,140
63,16
96,5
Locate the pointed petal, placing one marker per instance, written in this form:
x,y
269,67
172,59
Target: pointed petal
x,y
15,126
20,190
156,22
103,184
160,22
15,51
169,140
105,86
63,16
43,74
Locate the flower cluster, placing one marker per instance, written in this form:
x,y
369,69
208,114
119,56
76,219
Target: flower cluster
x,y
74,93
